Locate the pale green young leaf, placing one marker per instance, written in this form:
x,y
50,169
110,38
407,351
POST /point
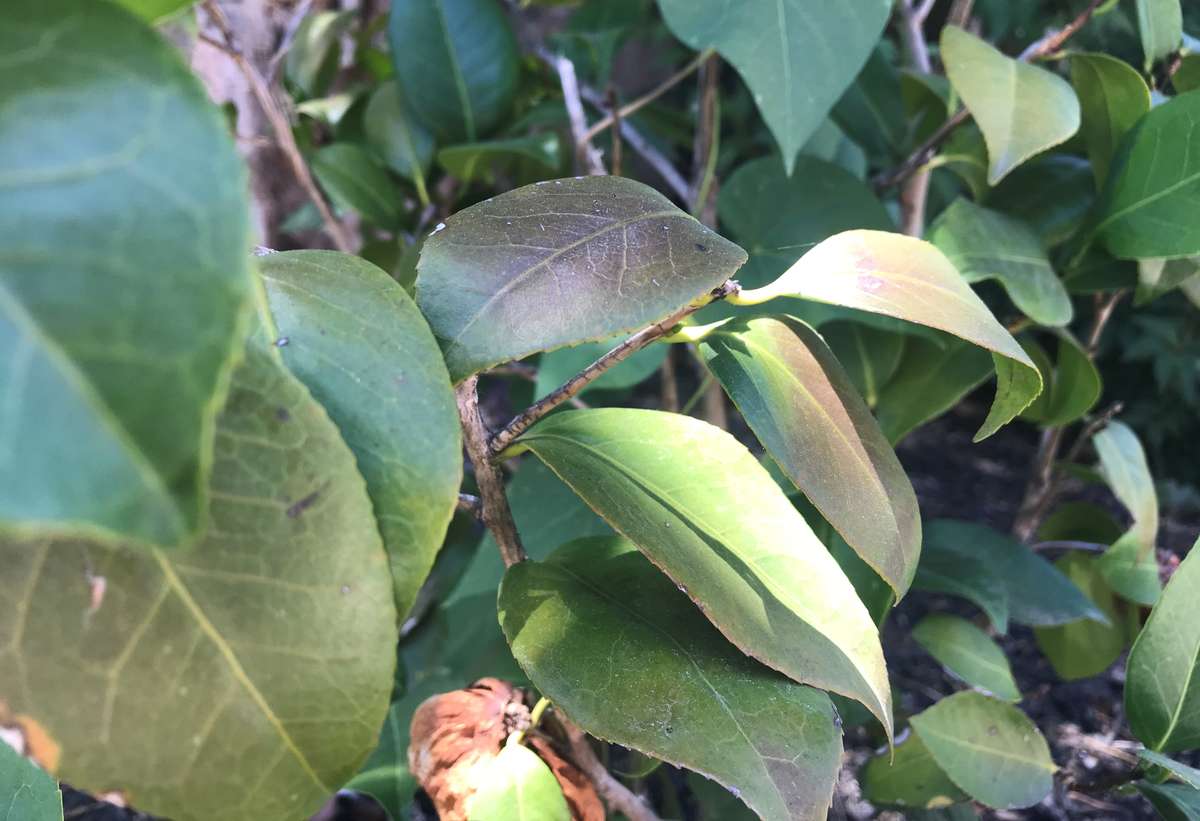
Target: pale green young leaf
x,y
911,779
457,64
562,262
27,792
703,509
153,11
989,749
1112,97
517,786
1021,109
779,48
686,695
1086,648
124,279
800,404
1160,24
1130,566
967,652
358,342
907,278
1162,688
169,671
985,244
311,57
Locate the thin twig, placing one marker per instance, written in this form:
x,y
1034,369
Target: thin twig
x,y
1099,423
616,795
670,387
586,155
649,97
530,374
615,164
522,421
279,124
285,43
653,157
707,143
915,192
924,152
1105,306
496,514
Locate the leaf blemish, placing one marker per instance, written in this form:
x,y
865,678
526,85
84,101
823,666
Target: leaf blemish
x,y
869,283
303,504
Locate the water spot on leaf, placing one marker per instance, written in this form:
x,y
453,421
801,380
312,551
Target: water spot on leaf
x,y
282,342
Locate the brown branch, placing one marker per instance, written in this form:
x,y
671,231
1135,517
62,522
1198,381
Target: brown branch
x,y
706,146
616,795
524,420
915,193
470,504
649,97
924,152
280,124
497,516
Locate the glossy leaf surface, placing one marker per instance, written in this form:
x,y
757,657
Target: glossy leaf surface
x,y
185,666
496,281
1021,109
597,625
801,405
349,332
1112,97
123,196
703,509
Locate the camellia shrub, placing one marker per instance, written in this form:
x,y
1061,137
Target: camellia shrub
x,y
241,567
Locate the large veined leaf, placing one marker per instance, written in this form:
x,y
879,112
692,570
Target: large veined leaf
x,y
801,405
967,652
596,625
456,62
1160,24
562,262
909,279
911,779
1021,109
703,509
776,218
930,379
1085,648
1162,689
985,244
1130,566
243,679
123,280
780,47
1153,186
359,344
27,792
1112,97
517,786
990,749
1072,383
1000,574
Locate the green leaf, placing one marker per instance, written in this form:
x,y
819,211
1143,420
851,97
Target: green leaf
x,y
1085,521
1021,109
166,673
154,10
670,686
990,749
481,161
776,218
517,786
1160,24
358,342
357,181
780,50
830,143
557,367
967,652
985,244
1162,690
124,278
1085,648
457,64
980,560
403,143
562,262
1160,276
313,54
1112,97
871,110
871,356
27,793
1188,775
1072,383
1130,566
801,406
547,514
1173,802
911,779
1051,194
930,380
909,279
1187,76
1153,187
703,509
